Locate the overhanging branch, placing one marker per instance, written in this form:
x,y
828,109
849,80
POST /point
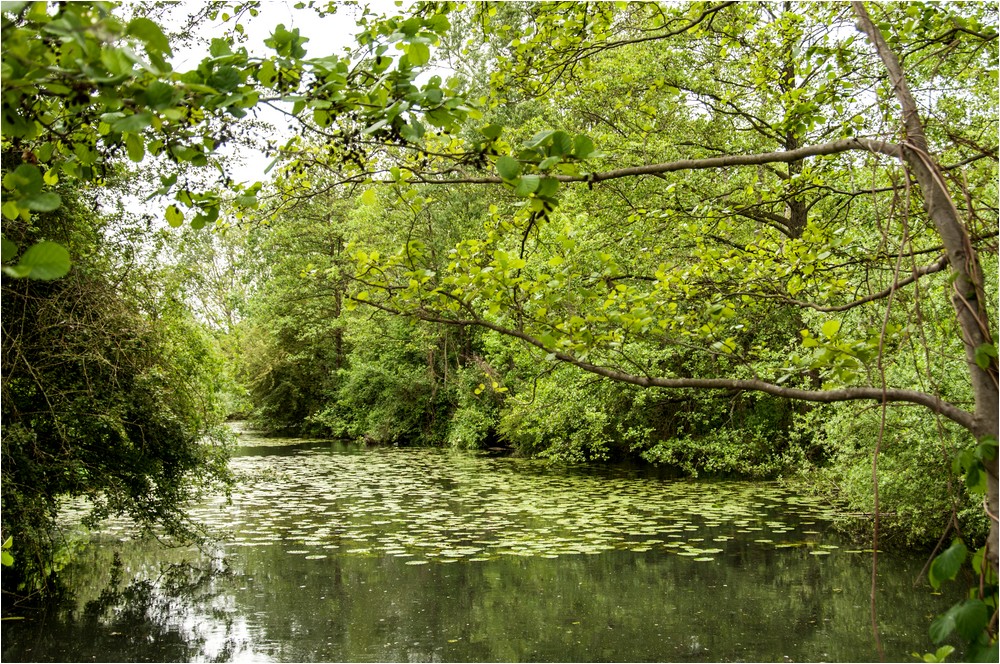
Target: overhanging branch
x,y
833,147
937,266
934,403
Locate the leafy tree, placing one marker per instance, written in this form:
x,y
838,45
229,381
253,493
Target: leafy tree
x,y
312,365
77,94
108,393
530,275
775,163
84,89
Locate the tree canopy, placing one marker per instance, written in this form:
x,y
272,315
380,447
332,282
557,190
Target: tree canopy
x,y
783,200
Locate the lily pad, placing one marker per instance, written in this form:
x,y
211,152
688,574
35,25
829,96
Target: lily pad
x,y
436,505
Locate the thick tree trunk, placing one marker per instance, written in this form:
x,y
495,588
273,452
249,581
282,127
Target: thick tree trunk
x,y
968,297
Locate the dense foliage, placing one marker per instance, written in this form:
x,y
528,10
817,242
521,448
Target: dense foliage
x,y
109,389
702,197
774,272
750,239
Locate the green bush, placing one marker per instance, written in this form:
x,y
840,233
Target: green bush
x,y
109,391
475,419
746,452
915,505
561,419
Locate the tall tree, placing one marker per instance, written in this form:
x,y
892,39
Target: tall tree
x,y
851,204
773,164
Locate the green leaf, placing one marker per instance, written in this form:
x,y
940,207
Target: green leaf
x,y
986,451
508,168
583,147
174,216
248,201
44,152
538,139
19,271
547,188
219,48
266,73
136,147
984,354
963,461
14,6
25,180
942,627
133,123
830,328
117,61
9,250
150,33
562,144
419,54
971,618
412,131
44,202
371,129
492,131
548,163
225,79
943,652
940,655
527,184
975,479
370,197
946,565
977,560
287,42
984,652
46,260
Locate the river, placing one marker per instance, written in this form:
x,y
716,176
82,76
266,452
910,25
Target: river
x,y
332,552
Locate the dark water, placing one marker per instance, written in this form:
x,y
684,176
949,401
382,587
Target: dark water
x,y
342,554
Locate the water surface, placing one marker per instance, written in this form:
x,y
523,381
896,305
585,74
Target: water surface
x,y
339,553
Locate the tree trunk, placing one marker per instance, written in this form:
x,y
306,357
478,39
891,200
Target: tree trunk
x,y
969,296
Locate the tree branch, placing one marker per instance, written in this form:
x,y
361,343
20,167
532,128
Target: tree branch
x,y
936,266
932,402
968,290
591,50
834,147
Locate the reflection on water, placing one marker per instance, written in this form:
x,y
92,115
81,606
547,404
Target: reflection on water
x,y
427,555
